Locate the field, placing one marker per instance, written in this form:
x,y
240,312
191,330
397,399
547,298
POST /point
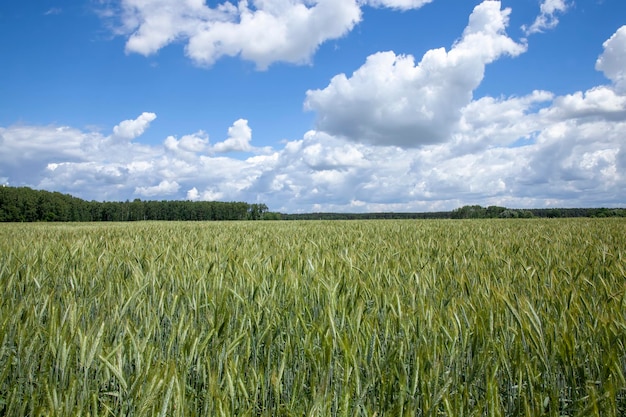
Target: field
x,y
362,318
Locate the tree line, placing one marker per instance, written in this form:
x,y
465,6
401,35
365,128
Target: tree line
x,y
467,212
492,212
23,204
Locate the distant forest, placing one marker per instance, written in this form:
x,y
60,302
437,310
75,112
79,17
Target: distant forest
x,y
23,204
468,212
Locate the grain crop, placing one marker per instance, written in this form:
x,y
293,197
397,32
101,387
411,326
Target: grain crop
x,y
316,318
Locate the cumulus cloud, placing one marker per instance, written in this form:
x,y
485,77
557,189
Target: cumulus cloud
x,y
535,150
596,103
188,144
66,158
193,194
548,16
130,129
320,157
239,137
568,161
398,4
500,122
206,195
27,150
572,159
264,32
612,62
261,31
392,101
165,187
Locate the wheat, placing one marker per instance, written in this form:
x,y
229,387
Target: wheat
x,y
319,318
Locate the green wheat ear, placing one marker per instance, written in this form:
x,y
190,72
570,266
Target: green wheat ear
x,y
320,318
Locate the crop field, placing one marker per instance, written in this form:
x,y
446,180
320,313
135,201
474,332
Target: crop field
x,y
317,318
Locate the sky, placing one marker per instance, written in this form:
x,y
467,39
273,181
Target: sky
x,y
317,105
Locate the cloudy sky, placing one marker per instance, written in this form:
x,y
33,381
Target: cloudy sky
x,y
317,105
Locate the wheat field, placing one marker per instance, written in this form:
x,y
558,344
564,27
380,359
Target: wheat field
x,y
314,318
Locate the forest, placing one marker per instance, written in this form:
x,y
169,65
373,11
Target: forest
x,y
24,204
467,212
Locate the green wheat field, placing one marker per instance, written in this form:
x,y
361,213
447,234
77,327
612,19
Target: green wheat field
x,y
317,318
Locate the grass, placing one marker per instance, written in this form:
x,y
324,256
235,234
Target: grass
x,y
363,318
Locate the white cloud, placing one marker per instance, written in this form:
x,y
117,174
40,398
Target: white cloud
x,y
53,11
398,4
547,18
188,144
599,102
207,195
239,137
193,194
573,159
130,129
535,150
163,188
612,62
320,157
264,32
392,101
261,31
491,122
27,150
570,161
65,158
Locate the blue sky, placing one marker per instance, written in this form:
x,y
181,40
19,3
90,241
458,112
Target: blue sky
x,y
317,105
